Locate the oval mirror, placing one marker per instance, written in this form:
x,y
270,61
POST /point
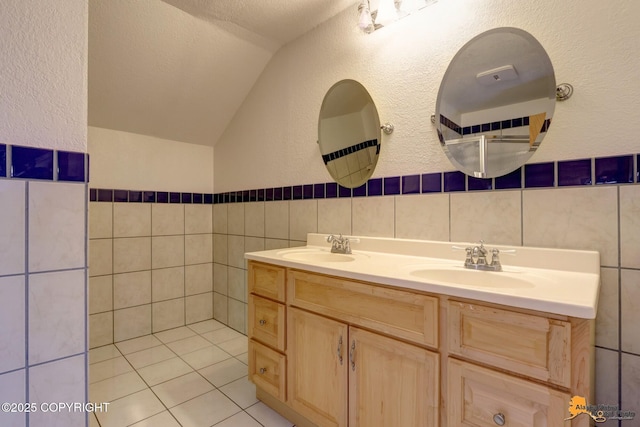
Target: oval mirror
x,y
349,133
495,102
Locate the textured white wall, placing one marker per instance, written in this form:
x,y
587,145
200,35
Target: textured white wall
x,y
272,139
43,64
129,161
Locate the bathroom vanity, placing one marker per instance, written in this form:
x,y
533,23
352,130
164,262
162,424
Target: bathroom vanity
x,y
370,339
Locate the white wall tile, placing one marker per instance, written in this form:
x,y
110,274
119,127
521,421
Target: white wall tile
x,y
423,216
373,216
12,227
59,381
100,329
167,283
131,289
607,325
56,226
253,244
220,278
220,309
100,257
12,390
131,219
198,248
254,219
573,218
100,220
237,287
276,219
12,324
630,390
167,219
167,251
630,298
168,314
235,219
100,294
56,315
630,226
303,219
220,248
220,218
198,219
131,254
334,216
606,381
236,251
198,278
131,322
275,244
237,315
199,307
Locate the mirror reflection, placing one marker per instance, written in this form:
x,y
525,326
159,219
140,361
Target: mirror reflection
x,y
495,102
349,133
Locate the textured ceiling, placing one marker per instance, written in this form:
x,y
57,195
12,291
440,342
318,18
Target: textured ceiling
x,y
180,69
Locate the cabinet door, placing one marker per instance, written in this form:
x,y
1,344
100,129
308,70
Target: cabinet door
x,y
317,373
391,383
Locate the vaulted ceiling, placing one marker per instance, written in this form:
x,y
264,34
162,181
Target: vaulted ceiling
x,y
180,69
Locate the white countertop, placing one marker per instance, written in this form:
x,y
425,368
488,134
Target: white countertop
x,y
558,281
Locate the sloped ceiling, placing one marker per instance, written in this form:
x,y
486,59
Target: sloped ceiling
x,y
180,69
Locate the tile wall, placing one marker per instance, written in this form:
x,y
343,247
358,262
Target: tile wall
x,y
43,286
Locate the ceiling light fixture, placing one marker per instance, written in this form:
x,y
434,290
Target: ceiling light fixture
x,y
384,12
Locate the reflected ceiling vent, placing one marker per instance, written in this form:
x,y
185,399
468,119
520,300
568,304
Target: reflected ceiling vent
x,y
500,74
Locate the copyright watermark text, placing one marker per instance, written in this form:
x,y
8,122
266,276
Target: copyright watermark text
x,y
54,407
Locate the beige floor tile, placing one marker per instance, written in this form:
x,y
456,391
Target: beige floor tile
x,y
242,392
188,345
174,334
222,335
108,368
235,346
206,326
163,419
244,358
164,371
241,419
267,416
93,421
137,344
224,372
114,388
205,357
100,354
152,355
181,389
205,410
131,409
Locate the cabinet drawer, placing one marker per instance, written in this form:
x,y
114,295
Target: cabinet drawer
x,y
267,369
476,395
266,280
398,313
267,322
530,345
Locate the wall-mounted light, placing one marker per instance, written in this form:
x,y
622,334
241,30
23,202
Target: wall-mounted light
x,y
375,14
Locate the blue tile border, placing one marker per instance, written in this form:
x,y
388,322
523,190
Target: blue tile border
x,y
612,170
20,162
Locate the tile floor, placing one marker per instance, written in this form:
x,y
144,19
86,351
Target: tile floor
x,y
192,376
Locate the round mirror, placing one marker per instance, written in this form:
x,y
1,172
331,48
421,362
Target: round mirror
x,y
349,133
495,102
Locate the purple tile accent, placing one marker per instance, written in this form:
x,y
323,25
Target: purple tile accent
x,y
135,196
93,195
246,196
574,172
208,199
539,175
431,182
375,187
174,197
217,199
510,180
149,196
307,191
287,194
70,166
476,184
253,195
186,198
197,198
614,170
392,185
454,181
411,184
360,191
318,191
105,195
344,191
3,160
162,197
268,194
261,196
120,196
277,193
332,190
297,192
34,163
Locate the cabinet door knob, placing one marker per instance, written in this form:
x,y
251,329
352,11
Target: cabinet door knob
x,y
499,419
264,370
262,322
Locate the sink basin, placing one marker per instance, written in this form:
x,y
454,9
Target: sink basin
x,y
307,255
475,278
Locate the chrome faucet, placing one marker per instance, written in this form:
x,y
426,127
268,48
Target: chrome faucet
x,y
340,245
476,258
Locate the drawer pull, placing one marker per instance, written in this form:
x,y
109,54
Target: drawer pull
x,y
499,419
340,350
262,322
264,370
352,356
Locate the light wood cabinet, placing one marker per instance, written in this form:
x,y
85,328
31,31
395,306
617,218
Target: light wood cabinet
x,y
331,351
